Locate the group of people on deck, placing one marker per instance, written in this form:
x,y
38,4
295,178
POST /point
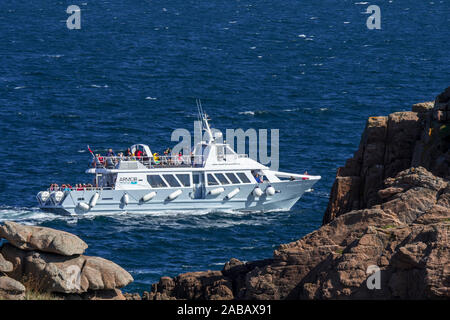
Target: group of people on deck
x,y
68,187
169,158
111,159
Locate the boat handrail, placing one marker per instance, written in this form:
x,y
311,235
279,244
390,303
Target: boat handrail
x,y
113,162
78,189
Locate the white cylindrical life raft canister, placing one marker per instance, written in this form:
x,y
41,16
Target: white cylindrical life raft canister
x,y
94,200
232,193
216,191
148,196
257,192
44,195
270,191
83,206
174,194
58,196
125,199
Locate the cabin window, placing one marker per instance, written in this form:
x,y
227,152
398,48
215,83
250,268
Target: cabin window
x,y
221,178
243,177
171,180
196,178
232,178
211,180
156,181
185,179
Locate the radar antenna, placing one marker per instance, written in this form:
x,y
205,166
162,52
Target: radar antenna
x,y
204,119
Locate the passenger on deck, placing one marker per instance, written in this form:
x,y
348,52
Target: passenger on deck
x,y
258,178
118,159
168,156
110,153
128,153
110,161
180,158
138,153
100,160
145,158
156,158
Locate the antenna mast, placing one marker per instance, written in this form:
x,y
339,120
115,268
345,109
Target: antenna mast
x,y
204,117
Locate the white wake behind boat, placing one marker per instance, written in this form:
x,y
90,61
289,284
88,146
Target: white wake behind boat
x,y
213,178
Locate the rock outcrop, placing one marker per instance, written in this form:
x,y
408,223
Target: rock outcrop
x,y
42,239
388,213
420,137
51,261
5,265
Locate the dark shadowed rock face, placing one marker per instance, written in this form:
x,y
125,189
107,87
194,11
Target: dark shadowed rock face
x,y
389,207
42,239
113,294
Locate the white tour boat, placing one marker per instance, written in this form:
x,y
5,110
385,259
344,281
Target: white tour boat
x,y
213,178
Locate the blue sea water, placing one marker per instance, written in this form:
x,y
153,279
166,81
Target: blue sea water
x,y
133,71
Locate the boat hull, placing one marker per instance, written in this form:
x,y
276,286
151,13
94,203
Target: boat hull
x,y
112,201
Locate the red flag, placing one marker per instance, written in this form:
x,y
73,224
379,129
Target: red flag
x,y
91,151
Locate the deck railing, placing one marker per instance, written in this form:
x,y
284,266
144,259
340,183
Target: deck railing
x,y
159,161
148,161
64,189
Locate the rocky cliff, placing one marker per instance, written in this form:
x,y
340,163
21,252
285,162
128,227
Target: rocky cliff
x,y
389,209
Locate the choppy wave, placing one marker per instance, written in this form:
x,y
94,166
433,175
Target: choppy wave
x,y
214,219
28,216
